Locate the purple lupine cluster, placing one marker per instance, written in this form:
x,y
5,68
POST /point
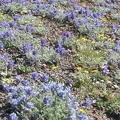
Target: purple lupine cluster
x,y
67,35
45,78
35,76
13,116
43,42
119,64
27,47
105,69
87,103
72,114
47,100
1,45
18,78
10,64
30,28
4,56
60,49
30,105
114,28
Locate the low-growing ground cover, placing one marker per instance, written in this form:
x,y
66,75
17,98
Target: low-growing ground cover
x,y
59,59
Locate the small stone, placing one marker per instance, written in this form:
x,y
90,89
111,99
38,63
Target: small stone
x,y
115,86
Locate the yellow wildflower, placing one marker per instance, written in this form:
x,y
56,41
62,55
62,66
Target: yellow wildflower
x,y
54,67
112,40
93,42
95,71
82,80
1,15
88,40
79,68
84,39
101,35
104,19
40,17
105,37
81,111
86,71
78,40
109,39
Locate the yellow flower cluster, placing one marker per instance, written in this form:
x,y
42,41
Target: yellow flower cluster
x,y
81,110
86,71
1,15
106,37
54,67
41,16
85,40
82,80
104,19
95,71
79,68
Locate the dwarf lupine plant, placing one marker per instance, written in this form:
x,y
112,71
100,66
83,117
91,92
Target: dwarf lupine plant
x,y
48,100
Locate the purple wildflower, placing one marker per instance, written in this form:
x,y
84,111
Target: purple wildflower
x,y
23,98
47,100
119,64
117,42
30,105
27,47
21,27
16,17
26,83
5,87
61,50
72,114
13,89
118,49
45,78
114,28
43,42
82,116
18,78
10,95
71,15
13,116
35,52
51,1
88,11
33,59
13,24
67,34
70,81
29,28
106,43
105,69
5,24
14,102
1,45
10,64
76,105
61,94
4,56
76,22
35,76
87,103
110,52
113,36
76,7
